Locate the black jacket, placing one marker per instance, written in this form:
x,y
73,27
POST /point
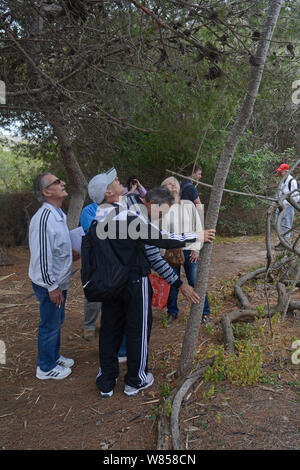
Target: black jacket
x,y
128,233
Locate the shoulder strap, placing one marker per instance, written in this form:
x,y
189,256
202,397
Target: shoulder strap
x,y
290,183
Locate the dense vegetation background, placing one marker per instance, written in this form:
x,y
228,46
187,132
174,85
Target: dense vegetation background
x,y
145,87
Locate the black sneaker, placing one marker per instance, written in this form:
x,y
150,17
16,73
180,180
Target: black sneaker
x,y
107,394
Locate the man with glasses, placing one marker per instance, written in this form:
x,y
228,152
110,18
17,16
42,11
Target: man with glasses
x,y
50,271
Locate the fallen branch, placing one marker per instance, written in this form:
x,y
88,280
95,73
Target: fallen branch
x,y
176,404
238,290
168,428
251,314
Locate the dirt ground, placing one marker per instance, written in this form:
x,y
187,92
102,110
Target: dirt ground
x,y
70,414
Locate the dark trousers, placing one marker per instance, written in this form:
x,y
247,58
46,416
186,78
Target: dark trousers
x,y
129,314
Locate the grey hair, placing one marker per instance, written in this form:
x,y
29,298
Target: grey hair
x,y
39,185
171,179
160,195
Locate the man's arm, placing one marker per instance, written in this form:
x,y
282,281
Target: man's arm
x,y
162,268
149,233
46,237
198,203
159,264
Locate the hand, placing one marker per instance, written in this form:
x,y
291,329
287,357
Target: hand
x,y
133,187
57,297
194,256
189,293
75,255
209,235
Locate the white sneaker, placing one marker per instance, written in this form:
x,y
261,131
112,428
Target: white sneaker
x,y
64,362
57,373
107,394
131,391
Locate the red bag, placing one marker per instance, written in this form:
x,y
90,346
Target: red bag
x,y
161,291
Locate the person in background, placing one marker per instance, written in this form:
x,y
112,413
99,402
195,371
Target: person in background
x,y
183,217
51,258
289,184
93,309
188,190
134,187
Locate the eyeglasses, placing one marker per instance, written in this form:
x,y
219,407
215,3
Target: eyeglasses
x,y
58,181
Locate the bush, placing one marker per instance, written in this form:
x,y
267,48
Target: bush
x,y
16,209
241,369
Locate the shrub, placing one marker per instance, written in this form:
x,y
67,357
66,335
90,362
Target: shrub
x,y
243,368
16,209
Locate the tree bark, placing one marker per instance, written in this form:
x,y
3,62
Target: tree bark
x,y
76,178
192,330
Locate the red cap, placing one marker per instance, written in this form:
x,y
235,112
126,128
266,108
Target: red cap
x,y
283,167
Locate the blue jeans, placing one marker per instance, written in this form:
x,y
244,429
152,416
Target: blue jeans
x,y
52,317
191,273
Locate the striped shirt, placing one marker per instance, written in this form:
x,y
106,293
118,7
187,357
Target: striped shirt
x,y
157,262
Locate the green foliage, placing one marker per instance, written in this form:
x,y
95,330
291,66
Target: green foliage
x,y
164,321
276,319
165,390
241,369
146,102
155,412
295,386
246,369
215,302
17,172
269,379
203,424
168,408
260,311
244,331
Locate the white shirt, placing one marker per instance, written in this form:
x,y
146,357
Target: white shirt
x,y
287,187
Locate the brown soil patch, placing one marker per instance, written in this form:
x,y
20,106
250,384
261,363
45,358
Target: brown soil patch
x,y
71,415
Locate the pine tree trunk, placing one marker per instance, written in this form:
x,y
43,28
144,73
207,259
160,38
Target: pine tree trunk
x,y
76,178
192,330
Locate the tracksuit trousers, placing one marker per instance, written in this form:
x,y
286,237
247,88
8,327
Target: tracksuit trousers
x,y
130,314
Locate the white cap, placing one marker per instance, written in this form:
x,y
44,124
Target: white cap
x,y
98,185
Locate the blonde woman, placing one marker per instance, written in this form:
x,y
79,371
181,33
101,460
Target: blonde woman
x,y
183,216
